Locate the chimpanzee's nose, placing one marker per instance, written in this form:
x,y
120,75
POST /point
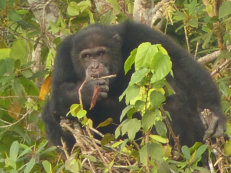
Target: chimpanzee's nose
x,y
95,64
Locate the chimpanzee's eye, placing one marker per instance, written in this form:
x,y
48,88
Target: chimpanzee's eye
x,y
85,55
101,52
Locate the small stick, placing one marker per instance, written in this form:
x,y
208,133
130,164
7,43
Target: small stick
x,y
81,86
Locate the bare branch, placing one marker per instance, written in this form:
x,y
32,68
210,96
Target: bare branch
x,y
221,67
210,57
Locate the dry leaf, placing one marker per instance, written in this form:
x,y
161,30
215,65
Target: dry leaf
x,y
45,88
95,96
14,110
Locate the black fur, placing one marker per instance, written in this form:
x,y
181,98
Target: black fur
x,y
193,85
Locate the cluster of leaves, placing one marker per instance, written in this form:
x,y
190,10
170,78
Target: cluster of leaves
x,y
145,94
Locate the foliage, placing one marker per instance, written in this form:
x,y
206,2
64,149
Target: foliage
x,y
201,26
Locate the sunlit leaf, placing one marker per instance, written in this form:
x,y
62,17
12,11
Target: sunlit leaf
x,y
159,139
138,76
107,122
4,53
227,148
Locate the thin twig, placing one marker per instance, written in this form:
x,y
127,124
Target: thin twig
x,y
96,146
80,89
24,116
175,138
223,65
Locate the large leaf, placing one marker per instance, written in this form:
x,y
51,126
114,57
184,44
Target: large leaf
x,y
130,61
138,76
161,65
148,120
145,53
20,50
156,99
225,9
131,127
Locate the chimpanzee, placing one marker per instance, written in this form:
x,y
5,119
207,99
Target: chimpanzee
x,y
101,50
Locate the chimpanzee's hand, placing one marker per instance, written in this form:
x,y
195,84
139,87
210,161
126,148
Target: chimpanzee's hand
x,y
216,126
102,84
93,73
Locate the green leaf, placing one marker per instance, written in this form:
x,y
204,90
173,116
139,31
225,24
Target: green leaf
x,y
107,138
47,166
178,16
131,127
75,9
152,149
118,130
148,120
186,152
20,50
3,4
81,114
124,112
144,155
156,99
29,86
72,164
138,76
115,5
27,73
161,128
29,165
145,53
131,92
224,9
18,88
191,7
13,15
193,22
156,151
227,148
76,110
72,9
107,122
4,53
14,150
6,66
130,61
162,65
26,150
200,151
224,88
159,139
